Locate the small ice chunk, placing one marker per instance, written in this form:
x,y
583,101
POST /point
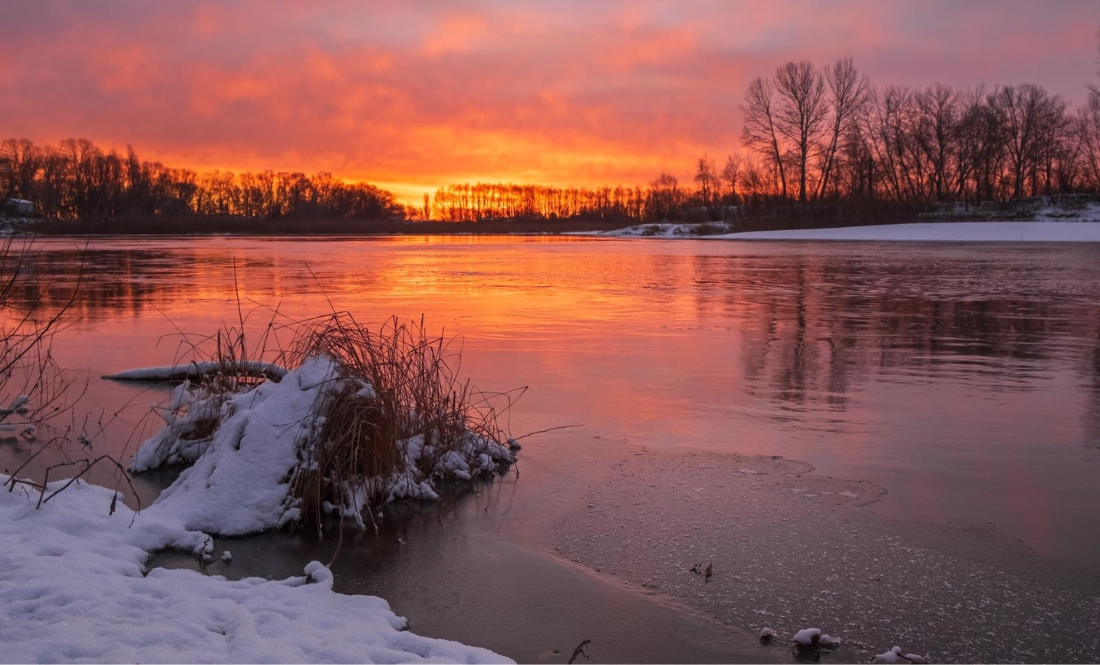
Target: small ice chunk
x,y
766,634
807,636
890,656
227,556
319,573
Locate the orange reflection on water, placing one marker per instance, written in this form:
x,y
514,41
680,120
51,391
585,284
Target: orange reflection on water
x,y
963,389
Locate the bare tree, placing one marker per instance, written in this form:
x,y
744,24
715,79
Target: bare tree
x,y
849,93
731,176
760,132
707,180
802,111
664,197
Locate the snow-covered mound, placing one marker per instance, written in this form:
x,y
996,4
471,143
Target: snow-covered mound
x,y
254,443
240,482
665,230
941,232
72,584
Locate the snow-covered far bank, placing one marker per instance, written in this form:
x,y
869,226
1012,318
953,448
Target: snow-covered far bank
x,y
940,232
74,589
1038,231
1065,221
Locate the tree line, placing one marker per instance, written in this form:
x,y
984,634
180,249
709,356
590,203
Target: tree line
x,y
826,138
815,139
828,134
77,180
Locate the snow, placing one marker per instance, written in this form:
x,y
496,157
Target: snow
x,y
72,575
73,587
807,636
1040,231
1067,220
240,480
890,656
662,230
18,405
193,370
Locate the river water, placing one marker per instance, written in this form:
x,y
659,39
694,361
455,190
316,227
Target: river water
x,y
962,381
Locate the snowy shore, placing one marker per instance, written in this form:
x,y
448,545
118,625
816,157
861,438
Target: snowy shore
x,y
1037,231
940,232
74,587
72,570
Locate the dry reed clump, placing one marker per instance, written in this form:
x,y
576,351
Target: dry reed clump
x,y
396,418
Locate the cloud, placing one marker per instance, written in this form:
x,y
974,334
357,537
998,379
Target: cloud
x,y
425,94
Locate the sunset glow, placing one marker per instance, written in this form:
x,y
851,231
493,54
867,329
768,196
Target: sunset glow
x,y
414,98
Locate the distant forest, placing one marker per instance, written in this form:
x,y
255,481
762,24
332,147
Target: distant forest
x,y
822,145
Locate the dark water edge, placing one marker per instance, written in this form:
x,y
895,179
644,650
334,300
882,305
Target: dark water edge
x,y
477,568
595,540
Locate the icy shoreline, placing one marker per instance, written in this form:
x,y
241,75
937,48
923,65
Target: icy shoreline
x,y
74,587
791,549
73,574
939,232
1037,231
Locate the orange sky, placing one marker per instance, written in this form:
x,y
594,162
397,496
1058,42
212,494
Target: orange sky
x,y
414,97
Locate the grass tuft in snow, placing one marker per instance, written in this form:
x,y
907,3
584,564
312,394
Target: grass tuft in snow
x,y
363,417
397,418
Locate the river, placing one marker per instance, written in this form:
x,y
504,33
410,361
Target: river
x,y
960,382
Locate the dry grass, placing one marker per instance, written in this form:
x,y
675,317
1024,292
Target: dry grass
x,y
399,387
394,418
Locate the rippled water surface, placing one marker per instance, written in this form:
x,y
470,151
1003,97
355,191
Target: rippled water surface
x,y
963,379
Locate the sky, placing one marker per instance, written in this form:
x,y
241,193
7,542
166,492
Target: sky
x,y
412,96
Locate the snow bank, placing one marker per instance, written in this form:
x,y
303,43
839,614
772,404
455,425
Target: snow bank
x,y
665,230
940,232
240,482
72,584
259,440
194,370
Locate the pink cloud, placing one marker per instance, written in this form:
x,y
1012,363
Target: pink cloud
x,y
563,93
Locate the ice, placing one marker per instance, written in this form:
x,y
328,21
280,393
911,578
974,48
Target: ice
x,y
1040,231
73,588
19,404
890,656
807,636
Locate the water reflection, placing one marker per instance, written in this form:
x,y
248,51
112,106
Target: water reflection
x,y
964,379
